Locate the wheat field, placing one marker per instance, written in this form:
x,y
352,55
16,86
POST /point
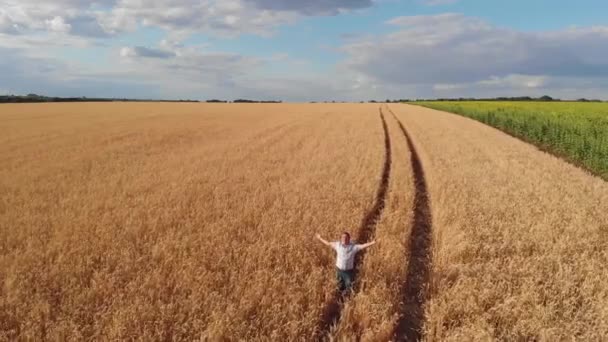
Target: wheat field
x,y
577,131
160,221
519,236
152,221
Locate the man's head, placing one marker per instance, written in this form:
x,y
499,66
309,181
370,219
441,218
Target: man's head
x,y
345,239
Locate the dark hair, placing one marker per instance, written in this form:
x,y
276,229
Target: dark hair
x,y
347,234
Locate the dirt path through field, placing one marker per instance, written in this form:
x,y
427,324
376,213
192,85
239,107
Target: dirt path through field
x,y
332,311
409,326
519,236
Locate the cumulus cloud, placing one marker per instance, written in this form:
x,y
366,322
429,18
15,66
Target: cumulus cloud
x,y
58,24
104,18
63,16
141,51
23,74
88,25
451,50
7,25
183,17
510,82
201,73
515,81
187,67
311,7
426,56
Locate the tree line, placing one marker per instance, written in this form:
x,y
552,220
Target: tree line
x,y
34,98
242,101
545,98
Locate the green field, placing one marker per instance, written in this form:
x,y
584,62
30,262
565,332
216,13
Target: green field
x,y
577,131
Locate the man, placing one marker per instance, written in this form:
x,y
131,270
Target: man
x,y
345,259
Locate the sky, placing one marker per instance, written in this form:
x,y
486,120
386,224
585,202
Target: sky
x,y
304,50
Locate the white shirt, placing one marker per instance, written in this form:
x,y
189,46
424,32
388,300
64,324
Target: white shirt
x,y
345,255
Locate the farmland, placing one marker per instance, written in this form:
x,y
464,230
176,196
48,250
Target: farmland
x,y
576,131
162,221
518,236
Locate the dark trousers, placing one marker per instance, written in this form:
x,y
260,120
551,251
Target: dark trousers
x,y
345,279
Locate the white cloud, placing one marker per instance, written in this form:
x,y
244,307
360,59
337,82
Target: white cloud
x,y
425,56
7,25
451,52
24,74
203,73
443,86
58,24
515,81
141,51
181,17
186,68
116,21
75,17
311,7
561,87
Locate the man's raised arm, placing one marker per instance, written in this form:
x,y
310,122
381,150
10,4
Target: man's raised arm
x,y
366,245
325,242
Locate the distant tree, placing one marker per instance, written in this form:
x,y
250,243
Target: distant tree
x,y
545,98
254,101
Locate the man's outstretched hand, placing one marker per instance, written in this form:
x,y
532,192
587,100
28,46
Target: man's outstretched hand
x,y
318,236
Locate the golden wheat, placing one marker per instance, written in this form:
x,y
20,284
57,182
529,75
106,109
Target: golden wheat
x,y
159,221
373,312
519,236
164,221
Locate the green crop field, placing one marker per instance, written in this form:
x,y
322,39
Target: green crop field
x,y
577,131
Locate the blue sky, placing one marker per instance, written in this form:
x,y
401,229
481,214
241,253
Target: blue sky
x,y
297,50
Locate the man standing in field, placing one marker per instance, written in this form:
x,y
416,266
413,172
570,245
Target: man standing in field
x,y
345,259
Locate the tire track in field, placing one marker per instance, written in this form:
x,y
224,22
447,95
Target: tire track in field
x,y
333,310
414,291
